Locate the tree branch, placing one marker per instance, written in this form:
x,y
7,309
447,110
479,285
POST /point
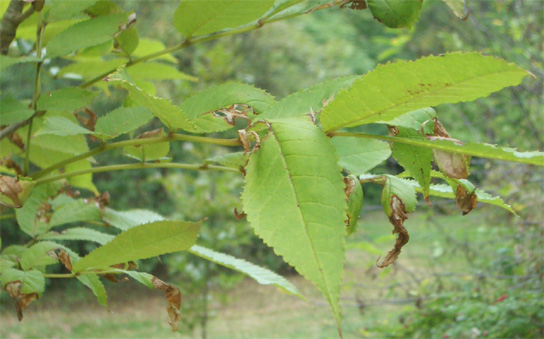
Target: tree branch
x,y
10,21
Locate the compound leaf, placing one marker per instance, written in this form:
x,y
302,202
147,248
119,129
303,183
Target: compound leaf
x,y
397,88
294,199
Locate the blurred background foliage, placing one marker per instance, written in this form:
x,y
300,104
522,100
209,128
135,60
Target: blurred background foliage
x,y
463,272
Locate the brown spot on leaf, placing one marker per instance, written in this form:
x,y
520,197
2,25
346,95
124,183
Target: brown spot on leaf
x,y
355,5
397,218
21,300
393,131
173,297
466,201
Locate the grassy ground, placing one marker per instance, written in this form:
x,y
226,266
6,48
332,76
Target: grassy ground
x,y
370,296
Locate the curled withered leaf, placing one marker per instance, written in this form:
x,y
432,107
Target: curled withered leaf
x,y
355,4
466,200
440,130
393,131
232,113
239,215
64,258
21,300
151,134
242,135
397,218
453,165
14,192
16,140
354,198
8,162
173,297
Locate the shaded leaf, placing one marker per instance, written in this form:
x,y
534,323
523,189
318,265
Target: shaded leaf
x,y
141,242
149,46
40,254
30,218
128,39
66,99
359,155
87,68
354,194
63,10
6,62
397,88
92,281
77,210
12,111
157,71
413,119
85,34
294,199
234,160
262,275
61,126
149,152
210,16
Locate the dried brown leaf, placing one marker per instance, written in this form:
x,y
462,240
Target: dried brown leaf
x,y
64,258
21,300
150,134
10,188
17,140
466,201
173,297
8,162
397,218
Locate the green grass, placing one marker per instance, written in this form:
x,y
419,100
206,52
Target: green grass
x,y
438,244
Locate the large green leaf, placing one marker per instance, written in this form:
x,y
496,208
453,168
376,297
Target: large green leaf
x,y
157,71
32,281
359,155
93,282
79,233
308,100
128,219
66,99
142,242
235,159
148,46
62,10
200,106
262,275
61,126
81,181
87,68
85,34
170,115
38,255
210,16
397,88
294,198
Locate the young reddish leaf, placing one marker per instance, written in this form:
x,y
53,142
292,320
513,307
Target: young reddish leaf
x,y
173,296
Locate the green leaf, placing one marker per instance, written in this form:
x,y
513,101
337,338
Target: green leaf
x,y
128,219
93,282
262,275
398,187
355,202
66,99
122,120
79,233
481,150
457,6
414,119
6,62
416,160
234,160
396,13
128,40
157,71
359,155
150,46
32,281
12,111
143,278
397,88
87,68
170,115
149,152
294,198
26,216
200,106
63,10
85,34
445,191
141,242
84,181
74,211
61,126
37,255
308,100
210,16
